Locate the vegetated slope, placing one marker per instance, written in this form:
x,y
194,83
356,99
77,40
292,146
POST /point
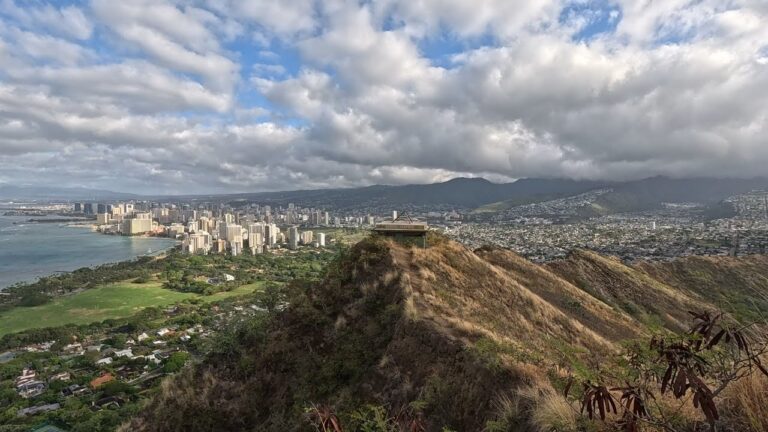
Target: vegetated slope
x,y
458,193
738,286
651,193
444,333
627,288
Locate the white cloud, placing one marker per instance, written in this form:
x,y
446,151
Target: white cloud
x,y
157,101
44,47
69,20
176,38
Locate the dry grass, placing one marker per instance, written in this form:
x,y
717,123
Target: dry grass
x,y
746,404
534,408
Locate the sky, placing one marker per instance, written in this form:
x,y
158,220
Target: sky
x,y
206,96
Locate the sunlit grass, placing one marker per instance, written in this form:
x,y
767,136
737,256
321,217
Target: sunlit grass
x,y
118,300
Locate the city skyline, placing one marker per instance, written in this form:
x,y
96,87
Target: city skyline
x,y
211,96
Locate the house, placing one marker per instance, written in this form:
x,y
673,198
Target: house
x,y
94,348
101,380
73,348
185,338
74,390
228,277
30,389
127,373
163,331
38,409
108,402
45,346
124,353
61,376
130,341
104,361
26,376
142,337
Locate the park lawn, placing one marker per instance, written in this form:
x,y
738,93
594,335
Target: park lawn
x,y
118,300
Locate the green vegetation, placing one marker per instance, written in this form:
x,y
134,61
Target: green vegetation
x,y
39,292
117,300
508,204
149,282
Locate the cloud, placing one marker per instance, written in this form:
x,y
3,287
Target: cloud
x,y
225,95
68,20
174,37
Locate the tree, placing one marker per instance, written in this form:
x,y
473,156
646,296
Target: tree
x,y
271,296
175,362
697,365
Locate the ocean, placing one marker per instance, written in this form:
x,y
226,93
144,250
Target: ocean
x,y
30,250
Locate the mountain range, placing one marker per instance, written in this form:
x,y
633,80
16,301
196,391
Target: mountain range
x,y
459,193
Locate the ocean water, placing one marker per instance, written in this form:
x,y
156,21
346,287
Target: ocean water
x,y
30,250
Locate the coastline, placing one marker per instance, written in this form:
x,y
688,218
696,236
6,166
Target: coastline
x,y
29,251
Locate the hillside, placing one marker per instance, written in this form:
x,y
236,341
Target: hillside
x,y
445,334
466,194
651,193
459,193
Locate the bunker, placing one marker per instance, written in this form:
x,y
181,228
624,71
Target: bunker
x,y
406,232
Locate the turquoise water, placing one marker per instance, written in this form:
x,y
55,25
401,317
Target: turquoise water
x,y
30,250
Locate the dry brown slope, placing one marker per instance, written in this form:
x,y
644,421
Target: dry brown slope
x,y
558,292
627,288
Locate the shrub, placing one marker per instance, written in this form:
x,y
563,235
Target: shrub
x,y
34,299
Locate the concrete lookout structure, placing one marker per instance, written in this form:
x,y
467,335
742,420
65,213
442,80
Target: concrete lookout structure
x,y
404,232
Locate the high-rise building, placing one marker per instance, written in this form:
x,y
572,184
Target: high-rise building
x,y
141,223
175,229
256,233
321,239
88,208
101,208
198,242
102,218
394,215
78,207
271,234
256,242
293,237
306,237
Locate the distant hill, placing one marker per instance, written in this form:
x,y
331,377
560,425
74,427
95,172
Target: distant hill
x,y
652,192
465,340
39,193
486,197
459,193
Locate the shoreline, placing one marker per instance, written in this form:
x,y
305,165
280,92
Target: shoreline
x,y
30,263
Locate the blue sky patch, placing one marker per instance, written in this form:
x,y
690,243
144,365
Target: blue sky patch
x,y
592,18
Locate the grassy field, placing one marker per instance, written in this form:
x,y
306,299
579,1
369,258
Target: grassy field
x,y
118,300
